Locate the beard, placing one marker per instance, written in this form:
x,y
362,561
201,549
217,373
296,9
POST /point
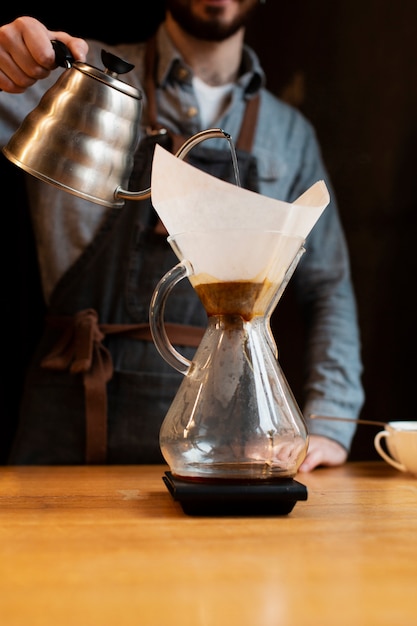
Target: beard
x,y
212,27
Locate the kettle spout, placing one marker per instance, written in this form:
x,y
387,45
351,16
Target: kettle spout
x,y
189,144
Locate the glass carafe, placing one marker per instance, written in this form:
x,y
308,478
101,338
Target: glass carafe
x,y
234,416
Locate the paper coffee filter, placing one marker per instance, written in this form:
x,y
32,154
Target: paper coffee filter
x,y
228,255
187,199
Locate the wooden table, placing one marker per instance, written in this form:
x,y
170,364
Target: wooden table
x,y
108,546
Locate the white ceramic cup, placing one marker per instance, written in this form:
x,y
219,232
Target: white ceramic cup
x,y
401,442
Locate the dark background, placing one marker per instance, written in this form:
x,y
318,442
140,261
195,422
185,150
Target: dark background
x,y
351,67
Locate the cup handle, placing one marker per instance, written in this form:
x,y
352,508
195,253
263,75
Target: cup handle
x,y
377,441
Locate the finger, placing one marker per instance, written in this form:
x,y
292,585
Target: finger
x,y
313,459
78,47
21,58
27,55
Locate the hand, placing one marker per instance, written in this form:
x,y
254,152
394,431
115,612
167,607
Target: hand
x,y
26,53
323,451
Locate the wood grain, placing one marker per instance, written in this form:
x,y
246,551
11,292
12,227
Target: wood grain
x,y
109,546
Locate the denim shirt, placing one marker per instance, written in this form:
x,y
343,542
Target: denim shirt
x,y
289,161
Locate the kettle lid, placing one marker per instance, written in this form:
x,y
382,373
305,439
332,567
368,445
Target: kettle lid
x,y
113,67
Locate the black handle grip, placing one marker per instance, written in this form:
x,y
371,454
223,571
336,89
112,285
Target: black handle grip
x,y
63,56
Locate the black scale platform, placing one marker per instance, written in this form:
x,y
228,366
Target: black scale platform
x,y
240,498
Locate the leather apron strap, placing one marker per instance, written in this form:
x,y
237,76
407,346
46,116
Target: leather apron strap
x,y
80,350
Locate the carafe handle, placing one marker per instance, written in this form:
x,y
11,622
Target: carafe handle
x,y
156,316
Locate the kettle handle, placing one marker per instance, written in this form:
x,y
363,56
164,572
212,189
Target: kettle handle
x,y
63,57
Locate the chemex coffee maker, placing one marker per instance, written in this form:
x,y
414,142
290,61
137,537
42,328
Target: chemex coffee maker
x,y
234,436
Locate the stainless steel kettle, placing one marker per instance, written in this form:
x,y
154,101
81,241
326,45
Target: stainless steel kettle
x,y
83,134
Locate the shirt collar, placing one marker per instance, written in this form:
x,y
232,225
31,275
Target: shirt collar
x,y
251,79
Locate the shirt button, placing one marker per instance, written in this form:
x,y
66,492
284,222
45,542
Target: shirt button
x,y
192,112
182,73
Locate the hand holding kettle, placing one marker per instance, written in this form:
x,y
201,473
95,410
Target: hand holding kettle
x,y
26,53
84,132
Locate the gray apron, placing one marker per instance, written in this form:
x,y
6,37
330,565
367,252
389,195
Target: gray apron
x,y
97,390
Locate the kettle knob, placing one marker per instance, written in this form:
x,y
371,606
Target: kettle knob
x,y
114,65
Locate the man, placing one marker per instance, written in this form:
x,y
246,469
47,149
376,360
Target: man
x,y
198,74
